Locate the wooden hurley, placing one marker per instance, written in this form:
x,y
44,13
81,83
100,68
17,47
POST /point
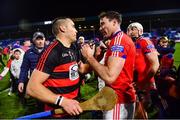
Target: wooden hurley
x,y
103,100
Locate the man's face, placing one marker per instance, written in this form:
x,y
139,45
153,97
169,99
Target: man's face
x,y
27,43
106,27
133,32
81,41
39,42
163,43
71,31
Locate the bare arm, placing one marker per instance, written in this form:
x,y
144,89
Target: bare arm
x,y
154,65
36,89
108,73
84,67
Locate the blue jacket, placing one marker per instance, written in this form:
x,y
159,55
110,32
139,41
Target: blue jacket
x,y
30,61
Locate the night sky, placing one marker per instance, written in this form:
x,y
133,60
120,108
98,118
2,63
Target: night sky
x,y
13,12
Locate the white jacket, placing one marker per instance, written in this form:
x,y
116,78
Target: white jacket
x,y
16,67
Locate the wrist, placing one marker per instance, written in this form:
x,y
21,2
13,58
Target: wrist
x,y
59,100
90,58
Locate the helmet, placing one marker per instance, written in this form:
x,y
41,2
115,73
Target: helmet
x,y
138,26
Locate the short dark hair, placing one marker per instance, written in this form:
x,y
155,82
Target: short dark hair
x,y
56,22
111,15
17,50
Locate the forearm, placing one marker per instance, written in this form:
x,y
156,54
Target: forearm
x,y
85,68
150,73
102,71
153,65
40,92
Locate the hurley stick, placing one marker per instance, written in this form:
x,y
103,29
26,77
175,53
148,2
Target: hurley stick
x,y
103,100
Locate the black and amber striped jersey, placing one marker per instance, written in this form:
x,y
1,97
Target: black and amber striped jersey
x,y
61,63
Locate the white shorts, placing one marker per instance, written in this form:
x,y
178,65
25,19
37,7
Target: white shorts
x,y
120,111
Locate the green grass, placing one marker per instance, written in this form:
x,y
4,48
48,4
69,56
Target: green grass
x,y
11,107
4,83
177,55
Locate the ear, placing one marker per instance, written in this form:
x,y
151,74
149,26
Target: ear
x,y
114,22
62,28
140,32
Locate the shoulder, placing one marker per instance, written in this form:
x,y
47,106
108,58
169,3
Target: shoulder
x,y
55,46
145,41
53,50
29,50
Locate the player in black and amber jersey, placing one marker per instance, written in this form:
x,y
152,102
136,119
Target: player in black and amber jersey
x,y
56,77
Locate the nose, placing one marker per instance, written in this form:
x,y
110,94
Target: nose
x,y
76,30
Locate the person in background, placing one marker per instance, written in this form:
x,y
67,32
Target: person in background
x,y
26,45
16,45
6,69
117,71
6,52
30,61
15,69
1,57
146,63
166,51
81,40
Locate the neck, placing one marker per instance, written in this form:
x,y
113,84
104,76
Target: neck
x,y
117,31
65,42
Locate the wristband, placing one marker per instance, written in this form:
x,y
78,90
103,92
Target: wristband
x,y
58,100
61,100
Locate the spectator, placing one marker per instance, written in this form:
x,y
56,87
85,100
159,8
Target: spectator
x,y
30,61
26,45
146,63
166,52
15,69
6,69
1,57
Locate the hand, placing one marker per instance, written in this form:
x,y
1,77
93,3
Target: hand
x,y
99,54
98,51
87,51
71,106
81,67
21,87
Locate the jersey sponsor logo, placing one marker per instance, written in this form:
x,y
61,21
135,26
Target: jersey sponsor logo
x,y
65,54
117,48
150,46
73,72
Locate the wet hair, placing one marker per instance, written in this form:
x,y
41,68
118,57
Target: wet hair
x,y
111,15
